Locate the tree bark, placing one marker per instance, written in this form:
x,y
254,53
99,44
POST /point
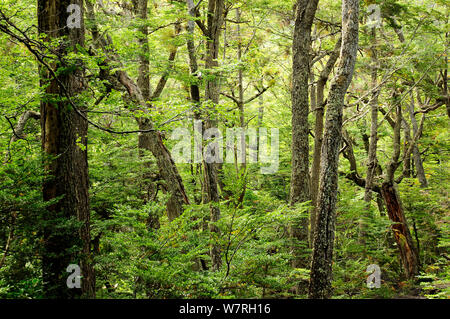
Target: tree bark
x,y
416,153
318,133
322,257
300,179
214,24
64,136
18,131
402,235
241,106
407,142
152,139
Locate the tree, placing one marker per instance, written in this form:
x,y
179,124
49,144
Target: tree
x,y
64,137
322,257
151,138
318,133
394,207
300,179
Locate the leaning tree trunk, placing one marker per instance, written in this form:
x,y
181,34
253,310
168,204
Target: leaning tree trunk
x,y
402,235
300,188
322,257
151,138
64,137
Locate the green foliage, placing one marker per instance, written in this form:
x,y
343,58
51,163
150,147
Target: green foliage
x,y
137,251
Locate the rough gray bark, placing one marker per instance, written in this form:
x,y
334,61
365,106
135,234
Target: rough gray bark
x,y
322,257
318,132
63,130
300,188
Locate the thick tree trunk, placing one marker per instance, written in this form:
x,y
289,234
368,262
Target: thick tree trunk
x,y
322,258
300,179
402,235
64,134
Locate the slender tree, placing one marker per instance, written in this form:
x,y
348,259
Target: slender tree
x,y
318,132
300,188
322,257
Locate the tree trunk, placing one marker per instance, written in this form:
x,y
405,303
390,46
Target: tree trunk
x,y
143,82
322,257
120,79
402,235
215,22
64,134
318,133
300,179
241,105
393,203
416,153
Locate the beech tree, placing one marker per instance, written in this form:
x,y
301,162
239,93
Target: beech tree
x,y
64,137
300,178
321,265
